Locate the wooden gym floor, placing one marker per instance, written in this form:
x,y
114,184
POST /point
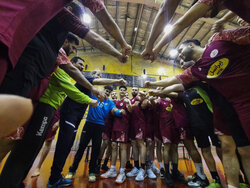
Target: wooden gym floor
x,y
81,177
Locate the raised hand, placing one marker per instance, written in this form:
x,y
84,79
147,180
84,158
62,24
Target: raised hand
x,y
122,82
153,92
122,58
147,53
126,50
93,103
99,94
147,84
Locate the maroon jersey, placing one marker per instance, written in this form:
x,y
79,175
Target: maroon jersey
x,y
149,122
137,121
132,100
181,119
226,67
166,121
121,123
108,126
241,8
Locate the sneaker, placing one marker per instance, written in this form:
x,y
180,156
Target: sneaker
x,y
121,178
162,173
141,175
244,185
151,174
70,175
133,172
109,174
179,177
61,182
214,184
154,168
168,180
129,166
105,168
198,182
92,177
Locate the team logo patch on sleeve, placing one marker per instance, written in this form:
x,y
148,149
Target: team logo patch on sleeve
x,y
197,101
169,108
217,68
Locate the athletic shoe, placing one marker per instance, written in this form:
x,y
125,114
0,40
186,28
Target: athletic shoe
x,y
141,175
244,185
105,168
121,178
70,175
214,184
179,177
154,168
151,174
198,182
162,173
133,172
168,179
61,182
109,174
92,177
129,166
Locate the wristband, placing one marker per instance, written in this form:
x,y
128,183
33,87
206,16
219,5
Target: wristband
x,y
118,113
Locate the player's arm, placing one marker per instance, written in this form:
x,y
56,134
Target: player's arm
x,y
163,16
112,28
73,24
197,11
118,112
71,91
164,83
106,81
219,24
167,90
80,79
97,41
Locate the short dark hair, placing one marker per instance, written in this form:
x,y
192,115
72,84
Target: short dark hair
x,y
72,38
108,87
195,41
75,59
76,9
123,87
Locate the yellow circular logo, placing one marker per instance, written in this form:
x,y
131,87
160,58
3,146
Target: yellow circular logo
x,y
217,68
197,101
169,108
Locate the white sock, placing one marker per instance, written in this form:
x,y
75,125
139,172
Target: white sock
x,y
230,186
113,167
122,170
160,164
199,169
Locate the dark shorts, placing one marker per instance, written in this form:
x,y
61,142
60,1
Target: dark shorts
x,y
36,63
202,138
222,127
119,136
137,131
5,63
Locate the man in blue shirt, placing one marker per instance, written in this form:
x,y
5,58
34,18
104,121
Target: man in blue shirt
x,y
92,130
71,114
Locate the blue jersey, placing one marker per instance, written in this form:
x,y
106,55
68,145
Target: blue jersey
x,y
98,115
